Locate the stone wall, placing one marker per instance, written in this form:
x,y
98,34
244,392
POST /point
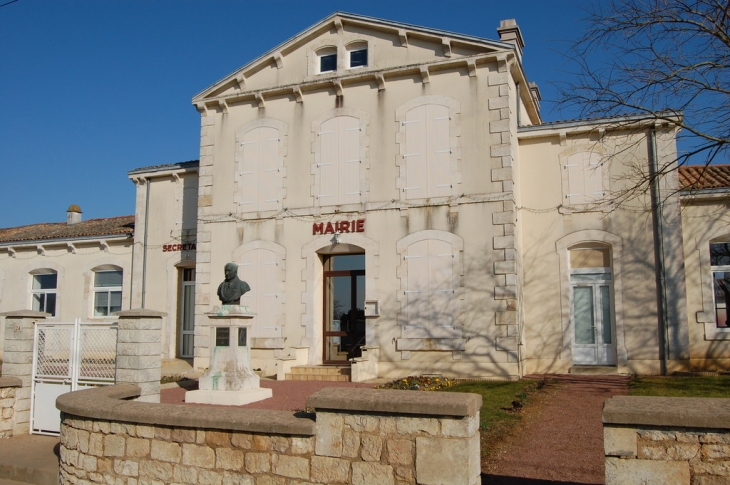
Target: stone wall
x,y
667,441
356,436
8,390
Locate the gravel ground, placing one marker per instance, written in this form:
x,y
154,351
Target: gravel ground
x,y
560,439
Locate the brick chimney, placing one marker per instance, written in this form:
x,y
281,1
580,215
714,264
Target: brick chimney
x,y
73,214
510,33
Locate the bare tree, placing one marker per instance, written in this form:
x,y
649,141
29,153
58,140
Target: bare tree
x,y
667,60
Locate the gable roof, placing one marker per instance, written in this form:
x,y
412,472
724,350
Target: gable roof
x,y
334,18
93,228
701,177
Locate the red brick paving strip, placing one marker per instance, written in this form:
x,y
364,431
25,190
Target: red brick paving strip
x,y
564,444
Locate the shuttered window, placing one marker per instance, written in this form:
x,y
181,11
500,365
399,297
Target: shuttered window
x,y
259,175
427,152
430,292
585,178
259,268
339,161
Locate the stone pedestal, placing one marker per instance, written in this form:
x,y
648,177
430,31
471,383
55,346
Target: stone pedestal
x,y
139,349
229,380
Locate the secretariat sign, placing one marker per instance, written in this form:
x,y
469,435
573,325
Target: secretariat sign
x,y
357,225
168,248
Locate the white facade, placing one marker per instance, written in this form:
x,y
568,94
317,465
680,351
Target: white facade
x,y
395,202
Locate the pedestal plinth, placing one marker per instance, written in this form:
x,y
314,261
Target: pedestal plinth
x,y
229,380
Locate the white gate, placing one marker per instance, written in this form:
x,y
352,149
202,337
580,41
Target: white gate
x,y
68,357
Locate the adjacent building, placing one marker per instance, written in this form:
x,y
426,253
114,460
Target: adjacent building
x,y
398,205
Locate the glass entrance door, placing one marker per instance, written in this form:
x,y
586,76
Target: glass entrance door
x,y
593,337
344,307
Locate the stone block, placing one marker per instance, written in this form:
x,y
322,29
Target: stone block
x,y
504,242
137,447
502,150
505,292
330,470
140,324
372,447
407,425
506,318
113,445
433,453
400,452
620,471
261,442
135,362
350,443
134,376
245,441
619,441
164,451
368,424
228,459
290,466
716,451
498,103
155,470
667,450
126,468
301,446
329,434
237,479
257,462
198,456
185,474
136,336
209,477
497,78
500,174
460,428
372,473
503,218
218,438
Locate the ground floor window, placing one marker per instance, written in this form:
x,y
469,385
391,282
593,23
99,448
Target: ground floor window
x,y
720,267
44,292
187,313
107,292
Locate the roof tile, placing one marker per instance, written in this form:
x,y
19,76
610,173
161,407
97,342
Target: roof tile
x,y
60,230
701,177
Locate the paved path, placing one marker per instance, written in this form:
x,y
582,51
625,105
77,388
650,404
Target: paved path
x,y
563,444
29,459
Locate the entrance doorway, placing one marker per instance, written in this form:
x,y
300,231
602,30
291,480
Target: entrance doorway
x,y
344,307
187,314
592,315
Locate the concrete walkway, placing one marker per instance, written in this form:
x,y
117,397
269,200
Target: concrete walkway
x,y
29,459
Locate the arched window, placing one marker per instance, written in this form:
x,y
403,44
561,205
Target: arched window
x,y
357,54
326,59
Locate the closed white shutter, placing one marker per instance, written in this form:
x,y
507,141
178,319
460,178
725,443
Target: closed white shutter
x,y
190,207
441,283
349,156
416,153
259,176
416,292
328,162
593,177
258,268
439,151
269,175
575,166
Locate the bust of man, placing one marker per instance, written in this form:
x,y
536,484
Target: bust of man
x,y
231,290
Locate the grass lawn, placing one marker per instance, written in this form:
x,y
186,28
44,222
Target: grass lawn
x,y
716,386
501,402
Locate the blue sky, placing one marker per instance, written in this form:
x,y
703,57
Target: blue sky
x,y
93,89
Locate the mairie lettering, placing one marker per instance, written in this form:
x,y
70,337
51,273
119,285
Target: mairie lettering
x,y
356,225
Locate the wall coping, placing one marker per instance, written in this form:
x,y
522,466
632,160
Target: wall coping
x,y
25,314
140,313
109,403
456,404
684,412
10,382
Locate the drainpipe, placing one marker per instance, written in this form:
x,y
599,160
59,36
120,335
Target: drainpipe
x,y
146,228
658,226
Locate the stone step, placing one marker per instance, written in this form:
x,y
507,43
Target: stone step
x,y
331,373
594,370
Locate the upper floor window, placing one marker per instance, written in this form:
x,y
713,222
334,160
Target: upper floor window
x,y
357,54
720,266
44,287
107,292
428,152
338,161
584,180
327,59
259,166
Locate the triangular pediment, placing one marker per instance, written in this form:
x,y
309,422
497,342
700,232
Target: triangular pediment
x,y
390,46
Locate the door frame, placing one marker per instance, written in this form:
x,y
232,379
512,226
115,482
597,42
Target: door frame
x,y
604,354
353,274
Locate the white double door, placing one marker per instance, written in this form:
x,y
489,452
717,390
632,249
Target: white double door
x,y
594,341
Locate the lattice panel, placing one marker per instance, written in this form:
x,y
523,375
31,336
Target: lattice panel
x,y
98,353
54,347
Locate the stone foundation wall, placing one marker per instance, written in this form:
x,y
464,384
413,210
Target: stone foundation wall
x,y
356,436
8,391
670,441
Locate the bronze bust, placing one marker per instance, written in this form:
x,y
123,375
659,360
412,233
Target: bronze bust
x,y
231,290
